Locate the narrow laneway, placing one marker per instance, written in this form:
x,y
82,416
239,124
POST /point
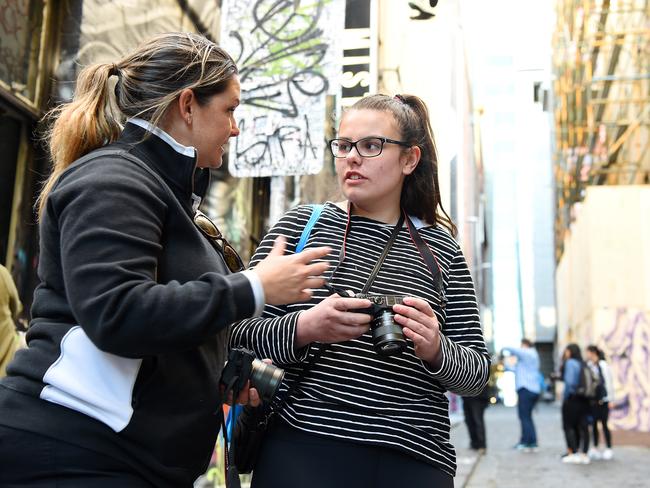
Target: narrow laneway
x,y
504,467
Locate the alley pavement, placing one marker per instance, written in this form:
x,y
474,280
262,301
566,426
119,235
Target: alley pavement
x,y
504,467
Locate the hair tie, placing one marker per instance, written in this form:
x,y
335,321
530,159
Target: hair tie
x,y
114,71
400,98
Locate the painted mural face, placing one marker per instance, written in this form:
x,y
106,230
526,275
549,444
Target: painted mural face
x,y
372,183
213,124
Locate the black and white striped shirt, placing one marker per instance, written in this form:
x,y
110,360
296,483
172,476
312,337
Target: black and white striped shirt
x,y
351,392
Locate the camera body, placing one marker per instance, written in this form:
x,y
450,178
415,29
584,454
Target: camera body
x,y
242,366
387,336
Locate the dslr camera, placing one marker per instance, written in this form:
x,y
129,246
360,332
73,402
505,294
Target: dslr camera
x,y
387,336
243,366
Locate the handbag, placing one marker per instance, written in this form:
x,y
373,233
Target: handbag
x,y
253,423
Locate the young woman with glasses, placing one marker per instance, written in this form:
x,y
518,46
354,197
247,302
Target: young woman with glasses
x,y
358,417
120,383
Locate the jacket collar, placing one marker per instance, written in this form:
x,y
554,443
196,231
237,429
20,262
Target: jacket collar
x,y
173,161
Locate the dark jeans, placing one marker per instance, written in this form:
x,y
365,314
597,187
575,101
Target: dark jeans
x,y
294,459
28,459
526,401
574,421
600,413
473,409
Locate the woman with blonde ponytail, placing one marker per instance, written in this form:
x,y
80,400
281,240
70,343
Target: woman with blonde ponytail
x,y
120,383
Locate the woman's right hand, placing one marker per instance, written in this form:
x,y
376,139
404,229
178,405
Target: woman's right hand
x,y
331,321
288,279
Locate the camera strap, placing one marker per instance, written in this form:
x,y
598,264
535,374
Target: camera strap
x,y
425,252
429,259
382,258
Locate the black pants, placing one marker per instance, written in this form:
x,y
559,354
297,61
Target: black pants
x,y
574,420
294,459
28,459
473,409
600,413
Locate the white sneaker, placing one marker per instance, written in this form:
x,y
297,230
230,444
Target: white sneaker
x,y
580,458
571,459
608,454
594,454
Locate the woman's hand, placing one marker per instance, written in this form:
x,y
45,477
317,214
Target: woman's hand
x,y
248,396
332,321
287,279
420,324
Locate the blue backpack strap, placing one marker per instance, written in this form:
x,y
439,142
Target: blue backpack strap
x,y
315,213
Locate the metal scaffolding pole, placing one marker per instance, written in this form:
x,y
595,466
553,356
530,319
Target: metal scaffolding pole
x,y
602,91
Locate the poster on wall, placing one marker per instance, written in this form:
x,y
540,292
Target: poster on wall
x,y
289,61
359,40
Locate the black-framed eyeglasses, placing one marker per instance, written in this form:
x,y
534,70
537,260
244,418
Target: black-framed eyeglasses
x,y
368,147
230,256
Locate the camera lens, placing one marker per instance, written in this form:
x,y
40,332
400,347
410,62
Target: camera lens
x,y
266,378
387,336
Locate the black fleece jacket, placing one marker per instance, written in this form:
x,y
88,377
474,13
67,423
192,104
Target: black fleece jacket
x,y
130,320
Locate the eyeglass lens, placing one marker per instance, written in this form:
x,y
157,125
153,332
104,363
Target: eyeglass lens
x,y
367,147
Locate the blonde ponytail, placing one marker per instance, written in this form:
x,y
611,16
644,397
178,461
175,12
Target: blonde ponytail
x,y
149,80
78,127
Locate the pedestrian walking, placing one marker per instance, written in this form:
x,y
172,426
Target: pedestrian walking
x,y
527,384
575,408
371,410
599,407
120,383
474,412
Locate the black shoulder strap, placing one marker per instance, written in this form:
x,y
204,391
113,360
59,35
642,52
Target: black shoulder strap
x,y
429,259
381,259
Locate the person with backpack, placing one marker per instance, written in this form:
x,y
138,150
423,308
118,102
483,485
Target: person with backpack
x,y
575,406
600,404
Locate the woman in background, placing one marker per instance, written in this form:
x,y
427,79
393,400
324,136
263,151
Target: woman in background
x,y
575,408
600,406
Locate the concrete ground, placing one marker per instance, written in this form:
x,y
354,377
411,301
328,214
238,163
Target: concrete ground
x,y
504,467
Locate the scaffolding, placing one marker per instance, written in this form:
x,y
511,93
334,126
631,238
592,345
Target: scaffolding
x,y
601,95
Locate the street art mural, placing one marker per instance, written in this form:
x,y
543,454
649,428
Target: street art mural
x,y
626,342
286,54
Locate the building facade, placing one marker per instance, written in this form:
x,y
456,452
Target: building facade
x,y
602,175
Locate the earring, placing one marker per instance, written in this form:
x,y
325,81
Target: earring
x,y
189,119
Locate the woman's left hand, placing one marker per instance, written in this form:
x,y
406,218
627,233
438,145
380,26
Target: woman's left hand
x,y
420,324
248,396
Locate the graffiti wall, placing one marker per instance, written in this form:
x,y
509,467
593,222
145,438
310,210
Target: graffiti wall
x,y
287,58
624,335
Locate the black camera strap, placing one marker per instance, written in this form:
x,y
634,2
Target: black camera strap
x,y
382,258
429,259
425,252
